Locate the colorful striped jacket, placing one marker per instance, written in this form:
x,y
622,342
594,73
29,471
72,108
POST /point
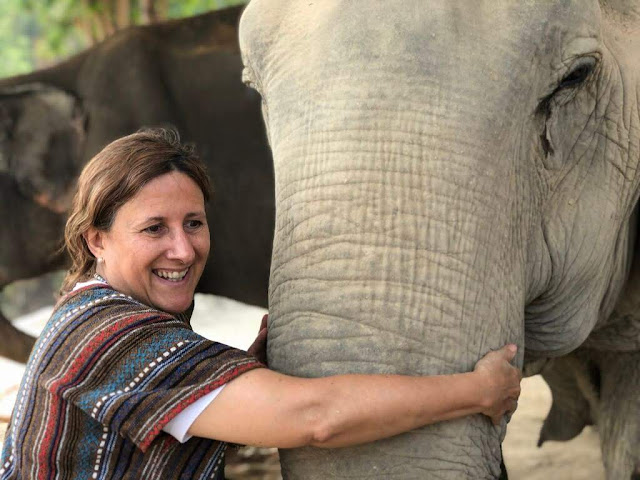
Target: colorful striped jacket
x,y
105,376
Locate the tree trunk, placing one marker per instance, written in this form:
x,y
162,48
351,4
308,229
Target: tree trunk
x,y
153,11
122,13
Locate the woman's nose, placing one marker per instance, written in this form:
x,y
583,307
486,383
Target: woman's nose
x,y
181,248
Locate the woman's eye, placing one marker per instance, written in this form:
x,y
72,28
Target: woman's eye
x,y
153,229
194,224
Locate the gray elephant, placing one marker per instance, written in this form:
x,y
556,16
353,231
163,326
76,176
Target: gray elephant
x,y
186,73
451,175
599,383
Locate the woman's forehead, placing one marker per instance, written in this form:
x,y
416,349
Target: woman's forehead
x,y
170,194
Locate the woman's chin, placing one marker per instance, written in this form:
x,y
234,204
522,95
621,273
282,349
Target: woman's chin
x,y
175,305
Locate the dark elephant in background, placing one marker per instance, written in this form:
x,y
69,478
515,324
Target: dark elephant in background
x,y
29,238
185,73
451,176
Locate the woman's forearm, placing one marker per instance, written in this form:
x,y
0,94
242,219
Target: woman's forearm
x,y
364,408
265,408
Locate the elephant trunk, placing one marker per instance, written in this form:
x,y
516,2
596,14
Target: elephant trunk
x,y
392,256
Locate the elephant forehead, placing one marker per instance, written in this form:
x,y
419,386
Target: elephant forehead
x,y
27,114
452,60
324,32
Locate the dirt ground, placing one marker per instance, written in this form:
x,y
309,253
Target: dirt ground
x,y
578,459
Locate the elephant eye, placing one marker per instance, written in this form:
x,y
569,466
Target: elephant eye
x,y
578,74
563,93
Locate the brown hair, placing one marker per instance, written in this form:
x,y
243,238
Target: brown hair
x,y
112,178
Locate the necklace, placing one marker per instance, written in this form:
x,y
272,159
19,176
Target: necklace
x,y
100,278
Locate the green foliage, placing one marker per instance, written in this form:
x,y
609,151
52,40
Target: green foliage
x,y
53,34
15,45
186,8
37,33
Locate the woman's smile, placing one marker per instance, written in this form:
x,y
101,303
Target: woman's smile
x,y
171,275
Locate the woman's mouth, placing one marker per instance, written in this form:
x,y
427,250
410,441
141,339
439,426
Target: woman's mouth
x,y
171,275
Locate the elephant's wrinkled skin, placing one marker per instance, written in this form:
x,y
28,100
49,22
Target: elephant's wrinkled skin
x,y
186,73
451,175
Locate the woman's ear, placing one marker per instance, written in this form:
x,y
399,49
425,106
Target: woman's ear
x,y
93,238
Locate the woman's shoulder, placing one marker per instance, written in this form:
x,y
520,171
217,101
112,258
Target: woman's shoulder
x,y
92,295
93,317
100,304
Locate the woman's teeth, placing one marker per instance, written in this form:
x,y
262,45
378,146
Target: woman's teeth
x,y
173,276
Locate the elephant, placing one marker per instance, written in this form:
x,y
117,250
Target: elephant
x,y
599,383
185,73
23,220
597,387
451,176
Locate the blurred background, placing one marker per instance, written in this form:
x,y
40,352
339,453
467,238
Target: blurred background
x,y
38,33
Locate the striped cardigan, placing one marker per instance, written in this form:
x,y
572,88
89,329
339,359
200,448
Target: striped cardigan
x,y
105,376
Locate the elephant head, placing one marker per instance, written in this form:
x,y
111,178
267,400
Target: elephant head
x,y
450,176
42,130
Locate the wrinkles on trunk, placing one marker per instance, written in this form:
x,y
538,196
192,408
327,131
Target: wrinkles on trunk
x,y
389,259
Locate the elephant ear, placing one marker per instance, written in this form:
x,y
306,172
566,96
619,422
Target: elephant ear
x,y
42,136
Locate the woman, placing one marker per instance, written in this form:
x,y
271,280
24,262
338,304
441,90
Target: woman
x,y
118,383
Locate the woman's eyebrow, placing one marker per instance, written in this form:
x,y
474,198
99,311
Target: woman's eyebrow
x,y
159,218
196,214
147,220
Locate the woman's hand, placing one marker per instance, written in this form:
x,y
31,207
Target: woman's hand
x,y
501,382
259,346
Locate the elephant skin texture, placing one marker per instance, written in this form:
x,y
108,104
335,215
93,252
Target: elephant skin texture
x,y
184,73
450,176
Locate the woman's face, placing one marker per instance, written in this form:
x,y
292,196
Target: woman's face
x,y
158,244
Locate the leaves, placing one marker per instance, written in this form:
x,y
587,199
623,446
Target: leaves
x,y
37,33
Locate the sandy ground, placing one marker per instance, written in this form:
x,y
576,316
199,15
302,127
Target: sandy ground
x,y
236,324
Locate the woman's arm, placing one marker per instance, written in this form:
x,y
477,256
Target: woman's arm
x,y
266,408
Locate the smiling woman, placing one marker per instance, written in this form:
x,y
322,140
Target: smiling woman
x,y
119,385
166,217
157,245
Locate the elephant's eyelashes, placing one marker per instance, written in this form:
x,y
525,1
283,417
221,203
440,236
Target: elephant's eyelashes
x,y
579,73
576,76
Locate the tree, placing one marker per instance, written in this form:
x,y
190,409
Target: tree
x,y
36,33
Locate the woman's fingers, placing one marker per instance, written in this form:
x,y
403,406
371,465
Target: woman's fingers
x,y
259,347
509,408
509,351
264,322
